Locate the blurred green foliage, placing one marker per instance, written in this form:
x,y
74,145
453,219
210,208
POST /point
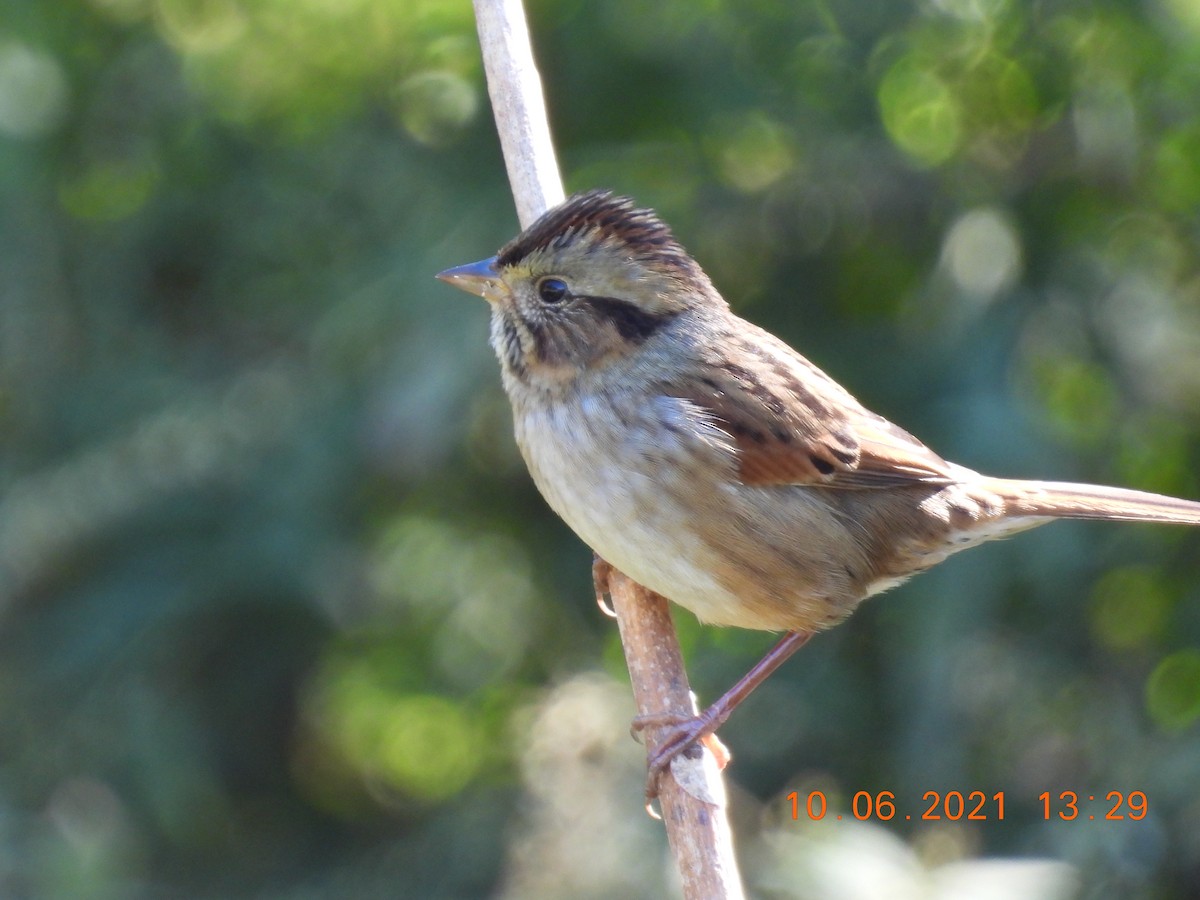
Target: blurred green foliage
x,y
282,615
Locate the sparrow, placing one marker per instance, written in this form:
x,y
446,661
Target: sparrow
x,y
709,461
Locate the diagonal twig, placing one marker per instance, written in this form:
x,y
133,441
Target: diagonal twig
x,y
692,794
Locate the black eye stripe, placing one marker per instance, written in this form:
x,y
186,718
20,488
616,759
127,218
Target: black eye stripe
x,y
632,322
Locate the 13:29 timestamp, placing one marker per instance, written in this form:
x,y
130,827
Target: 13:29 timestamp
x,y
1115,805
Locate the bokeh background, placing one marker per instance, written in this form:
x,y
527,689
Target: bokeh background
x,y
281,614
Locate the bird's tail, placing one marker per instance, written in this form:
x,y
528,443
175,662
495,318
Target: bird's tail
x,y
1090,501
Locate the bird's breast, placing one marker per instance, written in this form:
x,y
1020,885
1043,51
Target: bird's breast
x,y
630,476
650,485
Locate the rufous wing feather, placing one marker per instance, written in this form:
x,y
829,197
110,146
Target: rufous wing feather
x,y
792,424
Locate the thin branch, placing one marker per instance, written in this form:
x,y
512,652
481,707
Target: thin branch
x,y
516,92
692,796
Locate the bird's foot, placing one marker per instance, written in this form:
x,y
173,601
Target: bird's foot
x,y
682,735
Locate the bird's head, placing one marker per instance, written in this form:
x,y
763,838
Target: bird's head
x,y
588,282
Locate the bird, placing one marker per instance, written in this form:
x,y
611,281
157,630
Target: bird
x,y
709,461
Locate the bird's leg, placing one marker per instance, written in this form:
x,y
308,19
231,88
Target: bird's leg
x,y
684,732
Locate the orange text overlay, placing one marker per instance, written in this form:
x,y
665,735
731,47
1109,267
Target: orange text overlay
x,y
971,806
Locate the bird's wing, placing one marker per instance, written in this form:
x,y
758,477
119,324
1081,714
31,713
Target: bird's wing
x,y
793,424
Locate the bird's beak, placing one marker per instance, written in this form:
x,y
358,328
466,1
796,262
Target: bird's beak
x,y
480,278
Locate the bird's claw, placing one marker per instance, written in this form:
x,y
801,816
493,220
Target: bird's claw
x,y
684,733
657,720
601,571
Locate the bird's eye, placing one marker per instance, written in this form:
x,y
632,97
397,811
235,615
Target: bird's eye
x,y
552,290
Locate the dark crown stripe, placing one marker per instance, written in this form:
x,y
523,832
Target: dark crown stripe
x,y
596,211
